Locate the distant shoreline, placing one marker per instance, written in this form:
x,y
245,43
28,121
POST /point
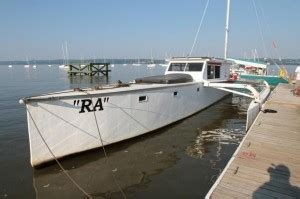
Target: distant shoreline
x,y
127,61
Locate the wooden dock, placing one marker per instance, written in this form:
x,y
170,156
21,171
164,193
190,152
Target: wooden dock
x,y
267,162
90,69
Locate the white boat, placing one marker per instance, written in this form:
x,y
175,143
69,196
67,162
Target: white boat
x,y
65,54
73,121
163,65
137,64
66,119
34,66
9,66
49,65
27,65
151,65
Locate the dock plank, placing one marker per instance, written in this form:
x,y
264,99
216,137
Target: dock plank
x,y
267,164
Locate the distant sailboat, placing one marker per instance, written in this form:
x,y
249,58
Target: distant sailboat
x,y
65,57
167,59
125,64
82,62
152,64
34,66
138,63
27,65
49,64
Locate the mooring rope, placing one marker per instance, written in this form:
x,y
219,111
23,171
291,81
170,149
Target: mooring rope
x,y
104,151
54,157
199,27
269,29
260,29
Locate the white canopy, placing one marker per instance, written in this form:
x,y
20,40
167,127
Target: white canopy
x,y
249,63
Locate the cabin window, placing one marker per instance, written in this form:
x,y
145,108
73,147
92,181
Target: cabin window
x,y
143,98
186,67
213,72
194,67
217,71
177,67
210,72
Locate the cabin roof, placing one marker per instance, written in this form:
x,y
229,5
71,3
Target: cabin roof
x,y
196,59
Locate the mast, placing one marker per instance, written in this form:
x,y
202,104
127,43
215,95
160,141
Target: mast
x,y
226,29
67,54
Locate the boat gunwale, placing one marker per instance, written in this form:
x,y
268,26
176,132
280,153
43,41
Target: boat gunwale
x,y
83,93
111,93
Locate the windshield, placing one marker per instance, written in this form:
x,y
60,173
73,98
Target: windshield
x,y
186,67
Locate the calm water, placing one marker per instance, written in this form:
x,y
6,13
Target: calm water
x,y
179,161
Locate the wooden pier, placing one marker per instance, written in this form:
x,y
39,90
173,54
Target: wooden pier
x,y
267,162
90,69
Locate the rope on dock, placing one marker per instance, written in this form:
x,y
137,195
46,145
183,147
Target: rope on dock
x,y
54,157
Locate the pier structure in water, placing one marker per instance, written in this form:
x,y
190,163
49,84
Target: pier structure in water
x,y
90,69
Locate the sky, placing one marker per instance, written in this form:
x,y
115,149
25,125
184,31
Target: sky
x,y
134,28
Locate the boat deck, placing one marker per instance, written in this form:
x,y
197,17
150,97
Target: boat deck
x,y
267,162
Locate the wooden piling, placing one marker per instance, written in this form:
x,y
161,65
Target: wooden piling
x,y
91,69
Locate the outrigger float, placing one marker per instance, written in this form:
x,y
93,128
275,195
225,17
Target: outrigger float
x,y
72,121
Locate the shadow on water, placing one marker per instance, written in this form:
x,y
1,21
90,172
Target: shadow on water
x,y
151,164
279,184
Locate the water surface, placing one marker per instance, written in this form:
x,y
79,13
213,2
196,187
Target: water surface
x,y
178,161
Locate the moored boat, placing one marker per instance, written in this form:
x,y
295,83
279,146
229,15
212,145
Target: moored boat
x,y
249,70
72,121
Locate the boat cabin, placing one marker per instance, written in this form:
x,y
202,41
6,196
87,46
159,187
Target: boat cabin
x,y
200,68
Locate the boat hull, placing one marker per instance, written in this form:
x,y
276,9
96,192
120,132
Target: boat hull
x,y
272,80
70,125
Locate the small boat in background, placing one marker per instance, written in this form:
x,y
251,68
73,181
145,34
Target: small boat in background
x,y
152,64
250,70
138,63
27,65
9,66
